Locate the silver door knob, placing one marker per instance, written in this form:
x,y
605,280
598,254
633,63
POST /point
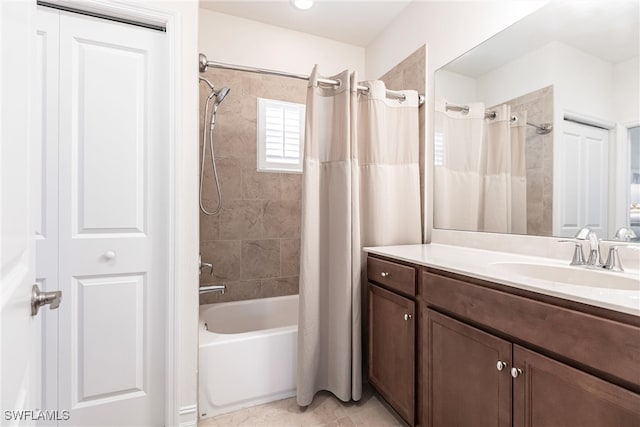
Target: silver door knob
x,y
501,365
516,372
385,274
38,299
407,316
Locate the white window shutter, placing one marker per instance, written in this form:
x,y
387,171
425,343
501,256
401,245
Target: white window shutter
x,y
280,135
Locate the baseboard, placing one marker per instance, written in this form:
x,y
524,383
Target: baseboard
x,y
188,416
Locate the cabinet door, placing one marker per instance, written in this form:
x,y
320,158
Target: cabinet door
x,y
462,384
549,393
392,349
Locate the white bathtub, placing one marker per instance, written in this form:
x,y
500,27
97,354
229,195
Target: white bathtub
x,y
248,355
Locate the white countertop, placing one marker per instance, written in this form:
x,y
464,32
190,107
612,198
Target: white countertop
x,y
479,264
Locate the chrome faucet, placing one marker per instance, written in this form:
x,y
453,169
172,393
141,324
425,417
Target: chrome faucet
x,y
613,260
625,234
595,259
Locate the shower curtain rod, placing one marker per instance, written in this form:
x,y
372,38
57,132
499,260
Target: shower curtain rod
x,y
542,129
204,64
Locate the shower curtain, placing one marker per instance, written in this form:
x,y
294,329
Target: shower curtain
x,y
458,168
480,174
361,187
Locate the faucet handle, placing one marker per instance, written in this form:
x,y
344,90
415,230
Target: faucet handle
x,y
613,259
578,255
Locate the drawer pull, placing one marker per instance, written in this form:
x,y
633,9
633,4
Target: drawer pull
x,y
516,372
407,316
385,274
501,365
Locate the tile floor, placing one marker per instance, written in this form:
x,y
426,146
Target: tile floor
x,y
325,410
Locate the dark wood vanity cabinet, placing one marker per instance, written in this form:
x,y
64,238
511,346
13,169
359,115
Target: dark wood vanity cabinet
x,y
486,360
485,354
392,334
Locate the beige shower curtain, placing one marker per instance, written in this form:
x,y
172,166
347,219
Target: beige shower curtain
x,y
480,174
505,187
458,167
361,187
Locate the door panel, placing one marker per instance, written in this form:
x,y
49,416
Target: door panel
x,y
464,387
113,152
107,373
108,136
549,393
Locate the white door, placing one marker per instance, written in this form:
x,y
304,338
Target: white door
x,y
584,179
111,148
19,339
45,178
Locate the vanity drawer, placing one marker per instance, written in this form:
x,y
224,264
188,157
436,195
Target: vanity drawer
x,y
607,346
398,277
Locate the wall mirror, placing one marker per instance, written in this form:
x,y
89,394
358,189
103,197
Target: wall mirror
x,y
536,129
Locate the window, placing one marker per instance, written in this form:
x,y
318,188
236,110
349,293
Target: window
x,y
280,136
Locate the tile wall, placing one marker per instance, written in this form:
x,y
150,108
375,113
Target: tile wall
x,y
254,243
539,160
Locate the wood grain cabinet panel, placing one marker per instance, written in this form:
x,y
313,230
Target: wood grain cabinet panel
x,y
397,277
464,385
549,393
392,349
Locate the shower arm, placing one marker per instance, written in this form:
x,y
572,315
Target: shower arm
x,y
202,79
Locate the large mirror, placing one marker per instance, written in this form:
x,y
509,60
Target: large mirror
x,y
536,130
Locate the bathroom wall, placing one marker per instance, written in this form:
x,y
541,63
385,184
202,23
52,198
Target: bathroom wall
x,y
539,159
449,28
227,38
411,74
254,243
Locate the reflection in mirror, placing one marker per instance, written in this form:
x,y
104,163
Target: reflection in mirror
x,y
634,190
529,126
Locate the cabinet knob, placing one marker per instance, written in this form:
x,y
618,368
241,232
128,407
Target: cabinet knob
x,y
385,274
501,365
515,372
407,316
109,255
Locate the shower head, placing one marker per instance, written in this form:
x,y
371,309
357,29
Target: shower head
x,y
220,95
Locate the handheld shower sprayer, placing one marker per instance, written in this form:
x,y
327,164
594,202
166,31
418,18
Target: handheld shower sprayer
x,y
214,98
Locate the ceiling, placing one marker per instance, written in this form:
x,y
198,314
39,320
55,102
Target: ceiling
x,y
609,30
353,22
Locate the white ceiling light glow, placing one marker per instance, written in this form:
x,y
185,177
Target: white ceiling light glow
x,y
302,4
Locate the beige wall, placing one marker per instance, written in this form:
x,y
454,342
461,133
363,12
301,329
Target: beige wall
x,y
254,243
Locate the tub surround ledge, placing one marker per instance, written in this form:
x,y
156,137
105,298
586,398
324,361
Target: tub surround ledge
x,y
481,264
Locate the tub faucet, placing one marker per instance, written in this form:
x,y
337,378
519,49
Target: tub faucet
x,y
213,288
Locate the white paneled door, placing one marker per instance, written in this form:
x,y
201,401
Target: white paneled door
x,y
19,333
105,192
583,179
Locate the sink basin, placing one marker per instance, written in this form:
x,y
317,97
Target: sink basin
x,y
572,275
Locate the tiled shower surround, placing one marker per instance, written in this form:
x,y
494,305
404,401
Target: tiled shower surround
x,y
254,242
539,159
